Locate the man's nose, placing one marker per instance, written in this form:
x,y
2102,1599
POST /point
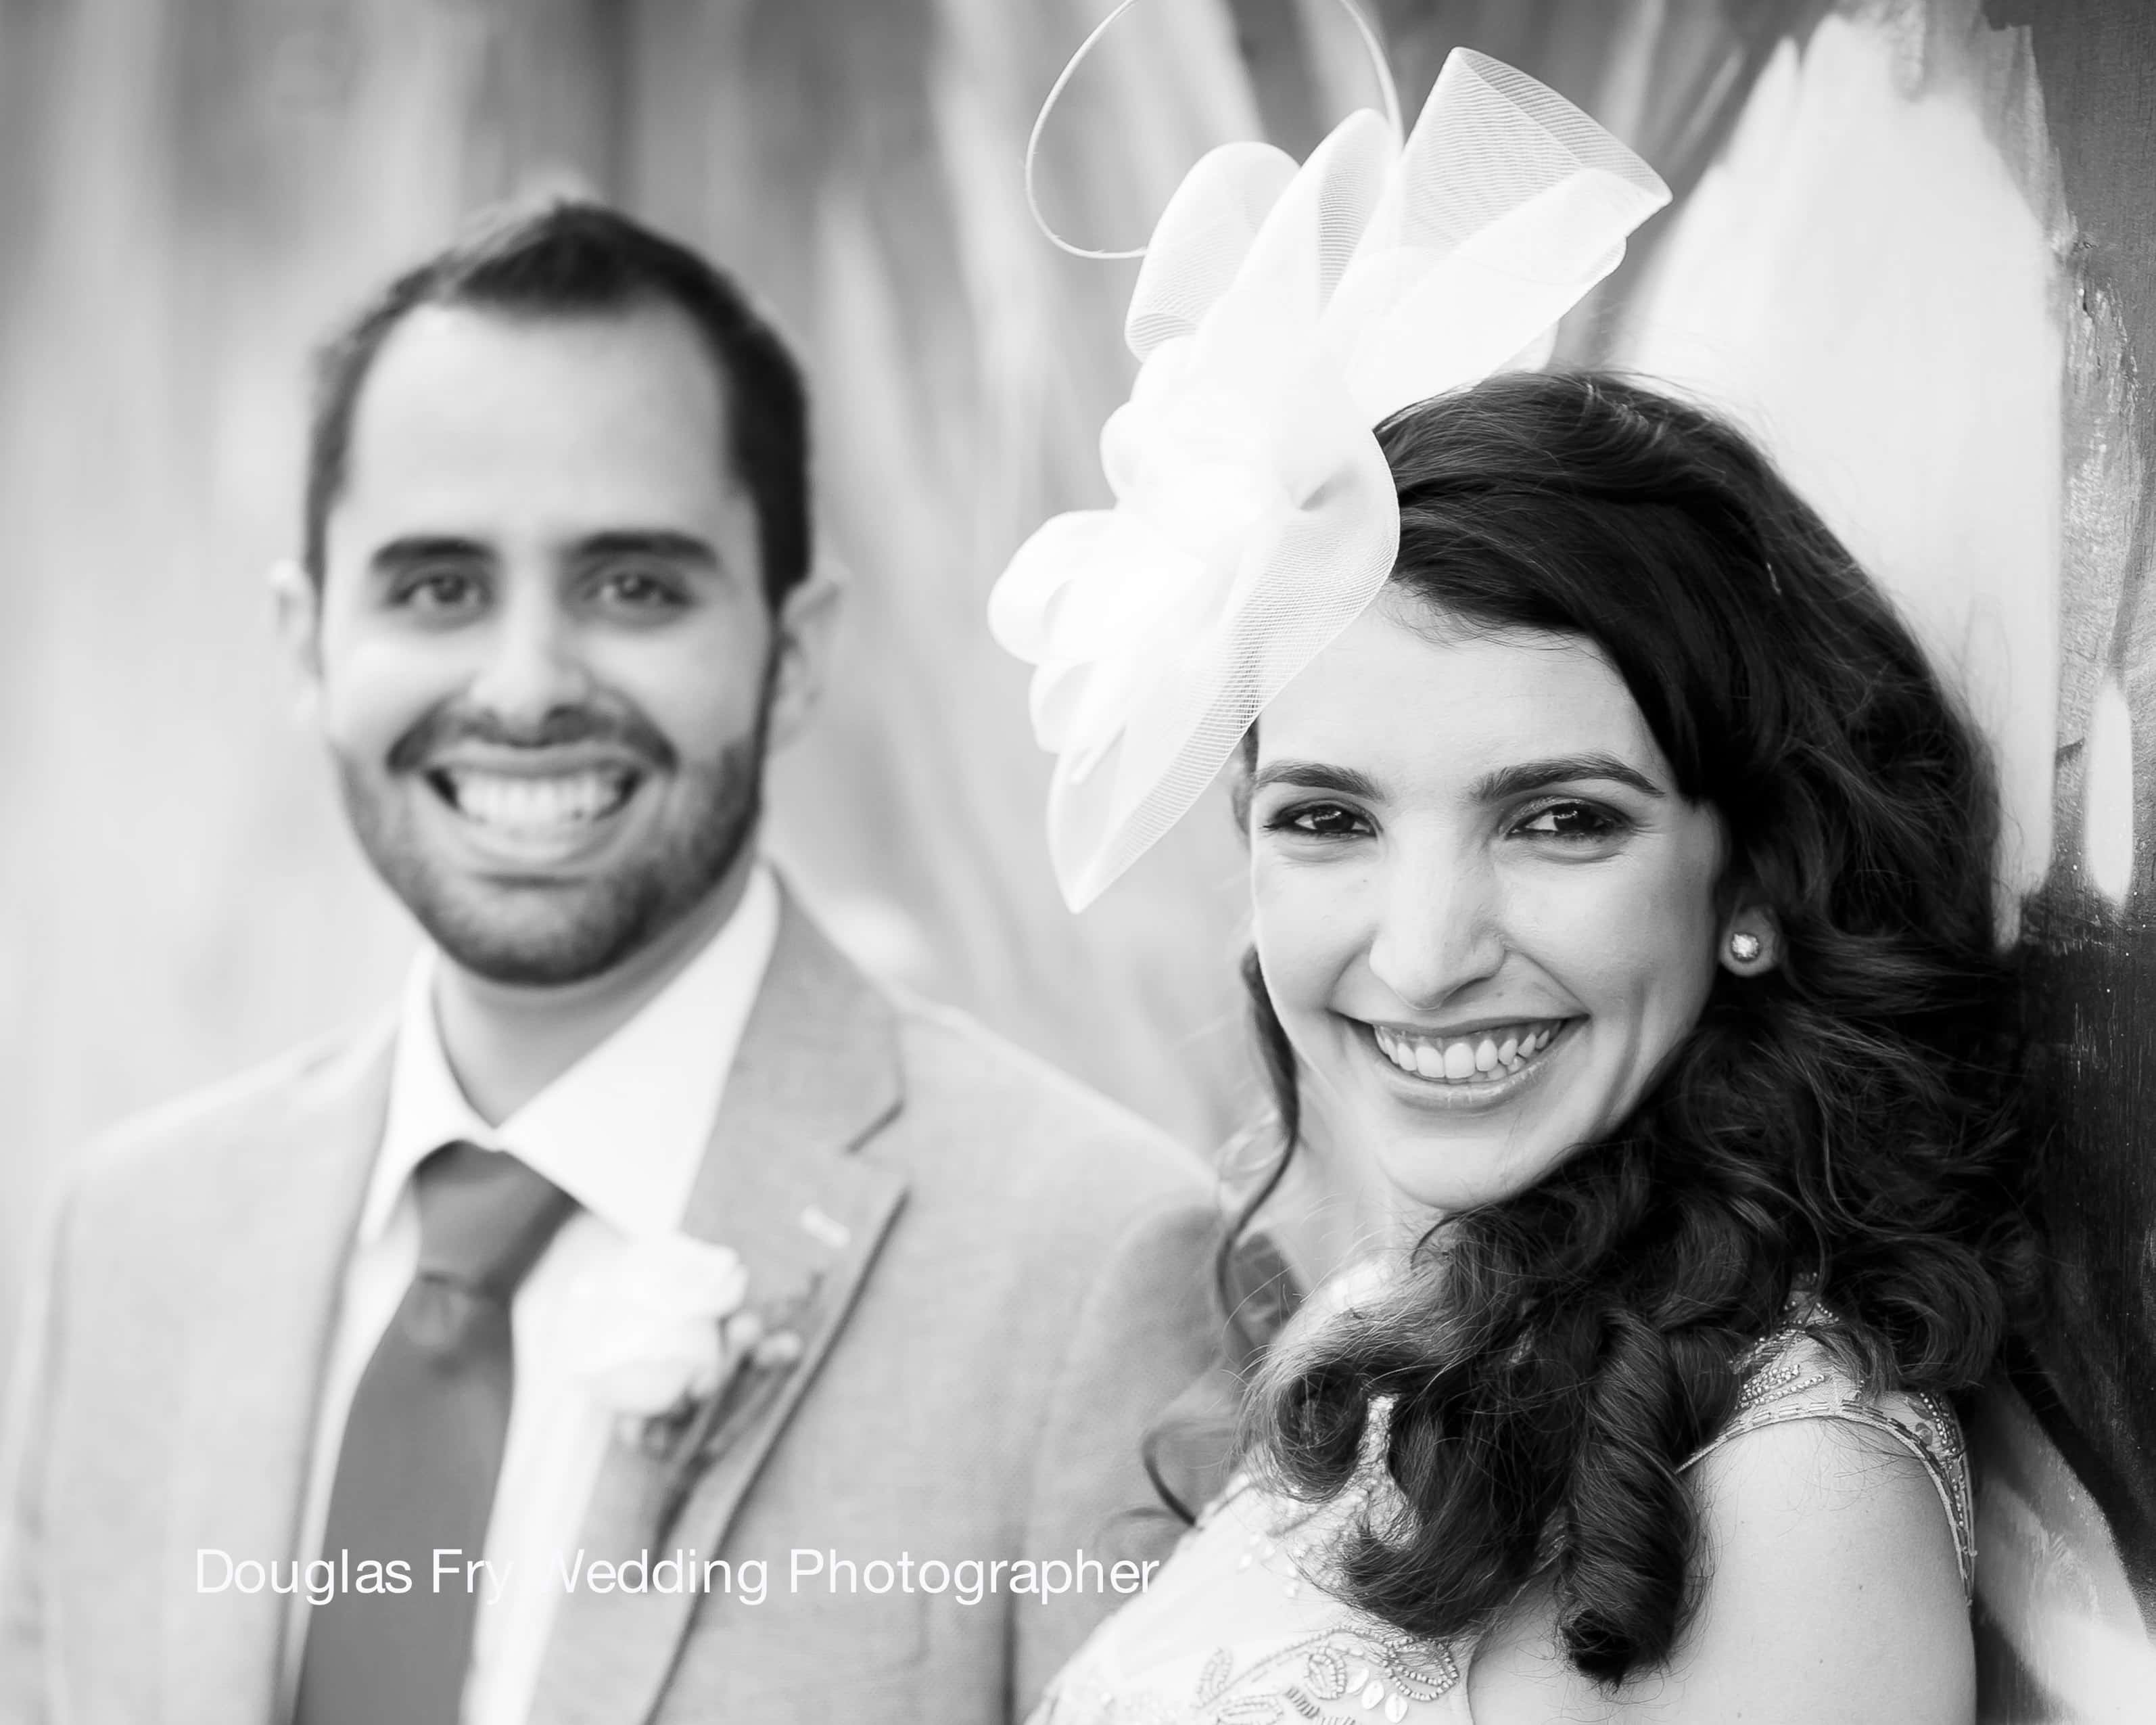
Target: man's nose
x,y
1438,925
534,665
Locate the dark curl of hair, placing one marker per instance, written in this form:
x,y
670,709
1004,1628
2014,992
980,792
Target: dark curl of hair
x,y
1845,1118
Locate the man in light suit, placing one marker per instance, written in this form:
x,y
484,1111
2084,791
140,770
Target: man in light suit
x,y
556,602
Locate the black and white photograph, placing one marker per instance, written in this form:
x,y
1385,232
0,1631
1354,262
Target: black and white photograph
x,y
1077,861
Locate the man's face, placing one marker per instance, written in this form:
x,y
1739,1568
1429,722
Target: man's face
x,y
544,663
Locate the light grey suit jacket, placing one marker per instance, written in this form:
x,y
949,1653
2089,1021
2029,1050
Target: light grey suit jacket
x,y
1004,1283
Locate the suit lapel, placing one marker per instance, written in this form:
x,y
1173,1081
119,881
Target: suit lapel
x,y
243,1422
818,1070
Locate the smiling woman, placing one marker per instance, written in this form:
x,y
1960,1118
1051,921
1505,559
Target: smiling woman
x,y
1622,887
1442,928
1623,956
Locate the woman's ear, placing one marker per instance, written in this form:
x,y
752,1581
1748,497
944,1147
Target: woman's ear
x,y
1751,940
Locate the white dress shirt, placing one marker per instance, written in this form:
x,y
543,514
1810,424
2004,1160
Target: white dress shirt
x,y
623,1132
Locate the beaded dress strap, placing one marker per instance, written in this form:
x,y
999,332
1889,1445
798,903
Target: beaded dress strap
x,y
1792,1376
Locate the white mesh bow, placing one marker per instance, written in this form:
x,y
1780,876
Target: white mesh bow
x,y
1282,313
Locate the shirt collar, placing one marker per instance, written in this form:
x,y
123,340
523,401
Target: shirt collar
x,y
622,1131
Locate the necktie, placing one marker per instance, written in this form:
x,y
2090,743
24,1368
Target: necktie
x,y
422,1449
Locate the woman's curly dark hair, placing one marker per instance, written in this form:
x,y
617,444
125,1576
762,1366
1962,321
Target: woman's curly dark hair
x,y
1844,1120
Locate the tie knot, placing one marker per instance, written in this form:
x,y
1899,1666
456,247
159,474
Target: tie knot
x,y
484,1217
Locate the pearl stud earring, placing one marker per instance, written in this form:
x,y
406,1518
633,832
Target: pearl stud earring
x,y
1746,948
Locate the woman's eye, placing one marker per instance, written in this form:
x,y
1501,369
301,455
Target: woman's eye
x,y
1322,820
1571,820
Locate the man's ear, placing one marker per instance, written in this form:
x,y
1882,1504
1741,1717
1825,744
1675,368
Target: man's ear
x,y
807,631
296,601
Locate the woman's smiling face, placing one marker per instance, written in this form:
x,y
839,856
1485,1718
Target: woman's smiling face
x,y
1486,914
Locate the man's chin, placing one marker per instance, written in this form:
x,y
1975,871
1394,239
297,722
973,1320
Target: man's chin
x,y
548,943
511,963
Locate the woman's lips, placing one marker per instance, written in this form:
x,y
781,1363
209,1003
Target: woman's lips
x,y
1400,1053
1481,1056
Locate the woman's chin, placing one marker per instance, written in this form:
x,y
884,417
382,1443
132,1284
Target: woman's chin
x,y
1453,1147
1462,1172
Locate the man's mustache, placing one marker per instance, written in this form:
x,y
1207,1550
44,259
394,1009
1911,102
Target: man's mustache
x,y
445,726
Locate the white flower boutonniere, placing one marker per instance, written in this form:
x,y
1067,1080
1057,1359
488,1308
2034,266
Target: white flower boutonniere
x,y
668,1340
651,1328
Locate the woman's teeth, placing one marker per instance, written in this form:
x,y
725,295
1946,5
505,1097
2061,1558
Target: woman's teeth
x,y
1460,1060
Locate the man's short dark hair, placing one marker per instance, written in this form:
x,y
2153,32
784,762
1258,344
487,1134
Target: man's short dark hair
x,y
572,259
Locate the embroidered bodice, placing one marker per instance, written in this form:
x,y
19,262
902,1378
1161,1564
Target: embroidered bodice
x,y
1236,1630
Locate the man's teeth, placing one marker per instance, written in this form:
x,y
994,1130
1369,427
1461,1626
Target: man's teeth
x,y
519,802
1460,1060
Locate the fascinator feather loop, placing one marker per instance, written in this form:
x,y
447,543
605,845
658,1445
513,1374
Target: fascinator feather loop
x,y
1282,312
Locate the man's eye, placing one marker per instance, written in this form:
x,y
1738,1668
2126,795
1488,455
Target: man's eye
x,y
640,589
1571,820
1320,820
435,591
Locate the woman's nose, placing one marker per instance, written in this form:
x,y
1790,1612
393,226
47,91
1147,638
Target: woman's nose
x,y
1437,929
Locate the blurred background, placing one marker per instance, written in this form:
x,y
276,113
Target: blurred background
x,y
1912,247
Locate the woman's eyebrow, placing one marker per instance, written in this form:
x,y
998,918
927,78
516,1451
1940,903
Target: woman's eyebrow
x,y
1538,775
1318,776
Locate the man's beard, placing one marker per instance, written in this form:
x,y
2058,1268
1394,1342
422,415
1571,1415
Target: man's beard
x,y
597,924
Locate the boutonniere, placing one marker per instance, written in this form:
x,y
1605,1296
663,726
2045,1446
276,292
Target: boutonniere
x,y
668,1341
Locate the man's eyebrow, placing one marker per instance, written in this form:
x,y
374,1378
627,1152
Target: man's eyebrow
x,y
1318,776
415,548
1538,775
661,544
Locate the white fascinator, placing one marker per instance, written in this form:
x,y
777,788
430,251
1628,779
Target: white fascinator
x,y
1282,313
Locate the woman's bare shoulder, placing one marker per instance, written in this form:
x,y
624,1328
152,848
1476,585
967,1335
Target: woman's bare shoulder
x,y
1829,1588
1828,1576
